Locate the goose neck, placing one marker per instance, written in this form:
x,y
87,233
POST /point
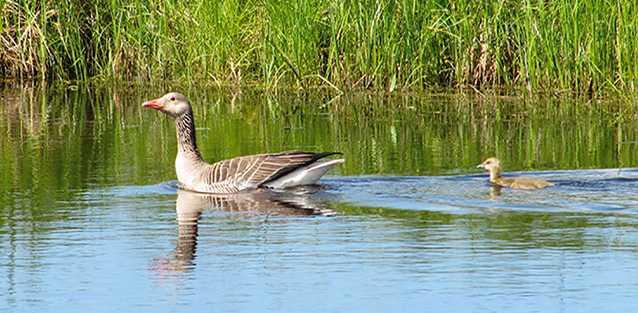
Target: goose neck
x,y
186,140
495,174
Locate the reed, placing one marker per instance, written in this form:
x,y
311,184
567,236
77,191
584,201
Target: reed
x,y
586,46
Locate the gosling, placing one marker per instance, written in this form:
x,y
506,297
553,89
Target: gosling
x,y
493,165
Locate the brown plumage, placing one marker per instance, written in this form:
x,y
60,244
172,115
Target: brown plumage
x,y
493,166
254,171
275,170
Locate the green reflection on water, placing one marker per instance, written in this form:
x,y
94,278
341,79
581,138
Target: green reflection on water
x,y
60,151
68,140
55,144
498,230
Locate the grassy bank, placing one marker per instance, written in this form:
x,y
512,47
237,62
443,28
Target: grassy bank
x,y
584,46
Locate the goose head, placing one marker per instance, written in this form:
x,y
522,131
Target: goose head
x,y
173,104
491,165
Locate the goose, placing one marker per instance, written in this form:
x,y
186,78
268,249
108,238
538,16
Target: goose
x,y
493,165
244,173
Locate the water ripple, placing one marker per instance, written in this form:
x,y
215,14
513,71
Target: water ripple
x,y
416,240
604,191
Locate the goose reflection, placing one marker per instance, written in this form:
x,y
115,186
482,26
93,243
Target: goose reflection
x,y
190,205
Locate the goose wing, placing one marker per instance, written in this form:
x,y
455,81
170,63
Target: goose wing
x,y
252,171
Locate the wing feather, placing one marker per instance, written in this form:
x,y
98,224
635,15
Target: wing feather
x,y
255,170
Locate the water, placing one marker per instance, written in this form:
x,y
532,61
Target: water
x,y
91,219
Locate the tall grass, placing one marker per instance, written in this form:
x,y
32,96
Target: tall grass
x,y
585,46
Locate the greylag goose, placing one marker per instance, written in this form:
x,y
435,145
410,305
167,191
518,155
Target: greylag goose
x,y
493,165
276,170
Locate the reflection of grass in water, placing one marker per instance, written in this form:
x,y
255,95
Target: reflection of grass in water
x,y
56,144
586,46
109,136
64,141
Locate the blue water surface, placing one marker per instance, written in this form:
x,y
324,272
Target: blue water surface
x,y
355,244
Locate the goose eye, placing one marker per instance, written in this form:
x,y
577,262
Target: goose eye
x,y
172,98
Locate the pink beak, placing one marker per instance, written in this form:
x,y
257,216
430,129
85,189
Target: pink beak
x,y
153,104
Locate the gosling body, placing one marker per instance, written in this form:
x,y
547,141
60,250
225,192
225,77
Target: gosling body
x,y
493,166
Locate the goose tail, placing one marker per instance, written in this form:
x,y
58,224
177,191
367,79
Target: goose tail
x,y
307,175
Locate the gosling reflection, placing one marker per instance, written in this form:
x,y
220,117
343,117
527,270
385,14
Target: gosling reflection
x,y
190,205
495,191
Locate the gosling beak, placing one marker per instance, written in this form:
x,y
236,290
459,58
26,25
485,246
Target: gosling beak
x,y
480,166
153,104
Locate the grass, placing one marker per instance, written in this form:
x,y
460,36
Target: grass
x,y
586,46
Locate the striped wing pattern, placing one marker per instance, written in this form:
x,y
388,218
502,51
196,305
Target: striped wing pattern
x,y
246,172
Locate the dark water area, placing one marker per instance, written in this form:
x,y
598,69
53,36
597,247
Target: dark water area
x,y
91,217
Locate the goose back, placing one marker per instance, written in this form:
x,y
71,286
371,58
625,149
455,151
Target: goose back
x,y
249,172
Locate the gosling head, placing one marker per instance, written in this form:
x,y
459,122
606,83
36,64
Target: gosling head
x,y
174,104
491,165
